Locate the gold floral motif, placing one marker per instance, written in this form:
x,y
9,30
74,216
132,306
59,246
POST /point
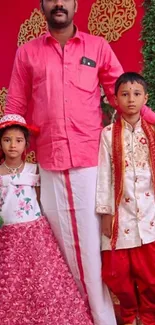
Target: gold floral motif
x,y
111,18
3,93
31,157
32,28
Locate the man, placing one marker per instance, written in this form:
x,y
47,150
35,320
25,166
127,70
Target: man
x,y
60,74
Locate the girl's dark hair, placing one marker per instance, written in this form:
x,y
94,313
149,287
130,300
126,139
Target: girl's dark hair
x,y
130,77
18,127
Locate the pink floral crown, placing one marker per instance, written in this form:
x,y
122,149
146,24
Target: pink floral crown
x,y
15,119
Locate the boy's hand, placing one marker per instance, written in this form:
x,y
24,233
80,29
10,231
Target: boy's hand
x,y
107,225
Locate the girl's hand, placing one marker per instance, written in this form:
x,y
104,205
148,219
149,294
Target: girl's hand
x,y
1,222
107,225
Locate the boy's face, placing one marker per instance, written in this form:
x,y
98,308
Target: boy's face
x,y
131,97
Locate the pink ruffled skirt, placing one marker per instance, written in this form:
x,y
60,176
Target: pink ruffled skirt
x,y
36,287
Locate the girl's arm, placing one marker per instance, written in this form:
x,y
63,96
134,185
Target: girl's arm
x,y
37,188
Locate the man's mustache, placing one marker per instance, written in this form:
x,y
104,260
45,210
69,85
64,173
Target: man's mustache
x,y
59,9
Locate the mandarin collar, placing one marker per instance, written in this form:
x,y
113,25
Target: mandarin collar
x,y
129,126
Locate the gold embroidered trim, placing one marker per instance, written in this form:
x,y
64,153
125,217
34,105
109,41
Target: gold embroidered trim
x,y
114,299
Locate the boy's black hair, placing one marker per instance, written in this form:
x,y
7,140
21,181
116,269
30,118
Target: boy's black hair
x,y
18,127
130,77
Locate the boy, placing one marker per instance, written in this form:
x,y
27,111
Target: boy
x,y
126,202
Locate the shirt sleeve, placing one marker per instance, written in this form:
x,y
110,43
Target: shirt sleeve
x,y
104,179
19,92
110,69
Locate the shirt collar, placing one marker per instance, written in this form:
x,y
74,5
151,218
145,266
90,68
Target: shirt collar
x,y
77,35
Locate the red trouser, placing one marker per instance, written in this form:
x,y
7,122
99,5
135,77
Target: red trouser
x,y
130,275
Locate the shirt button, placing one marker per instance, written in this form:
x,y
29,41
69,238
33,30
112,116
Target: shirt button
x,y
65,66
66,100
126,231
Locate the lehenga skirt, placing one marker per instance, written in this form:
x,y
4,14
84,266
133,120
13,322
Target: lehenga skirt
x,y
36,286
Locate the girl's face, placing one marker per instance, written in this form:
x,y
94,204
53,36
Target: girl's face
x,y
13,143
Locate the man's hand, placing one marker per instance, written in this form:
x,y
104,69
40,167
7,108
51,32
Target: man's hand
x,y
107,225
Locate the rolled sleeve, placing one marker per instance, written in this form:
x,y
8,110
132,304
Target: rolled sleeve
x,y
19,92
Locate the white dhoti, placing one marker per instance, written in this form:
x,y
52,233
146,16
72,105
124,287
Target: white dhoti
x,y
68,200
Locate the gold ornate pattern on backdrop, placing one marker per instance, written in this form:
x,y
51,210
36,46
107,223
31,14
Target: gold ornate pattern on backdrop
x,y
32,28
111,18
3,93
30,157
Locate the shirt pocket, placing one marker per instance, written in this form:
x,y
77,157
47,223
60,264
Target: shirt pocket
x,y
87,78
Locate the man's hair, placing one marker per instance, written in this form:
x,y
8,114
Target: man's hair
x,y
130,77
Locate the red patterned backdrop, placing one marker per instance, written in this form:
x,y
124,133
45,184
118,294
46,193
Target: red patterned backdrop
x,y
14,13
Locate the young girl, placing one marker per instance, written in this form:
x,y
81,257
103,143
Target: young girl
x,y
36,286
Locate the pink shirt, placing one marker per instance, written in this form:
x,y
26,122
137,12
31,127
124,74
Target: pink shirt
x,y
65,96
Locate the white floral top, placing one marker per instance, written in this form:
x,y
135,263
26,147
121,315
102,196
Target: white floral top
x,y
18,202
137,206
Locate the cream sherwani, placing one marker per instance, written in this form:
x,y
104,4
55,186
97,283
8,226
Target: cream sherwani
x,y
137,206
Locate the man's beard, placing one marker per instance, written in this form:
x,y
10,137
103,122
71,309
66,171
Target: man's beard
x,y
52,21
54,24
